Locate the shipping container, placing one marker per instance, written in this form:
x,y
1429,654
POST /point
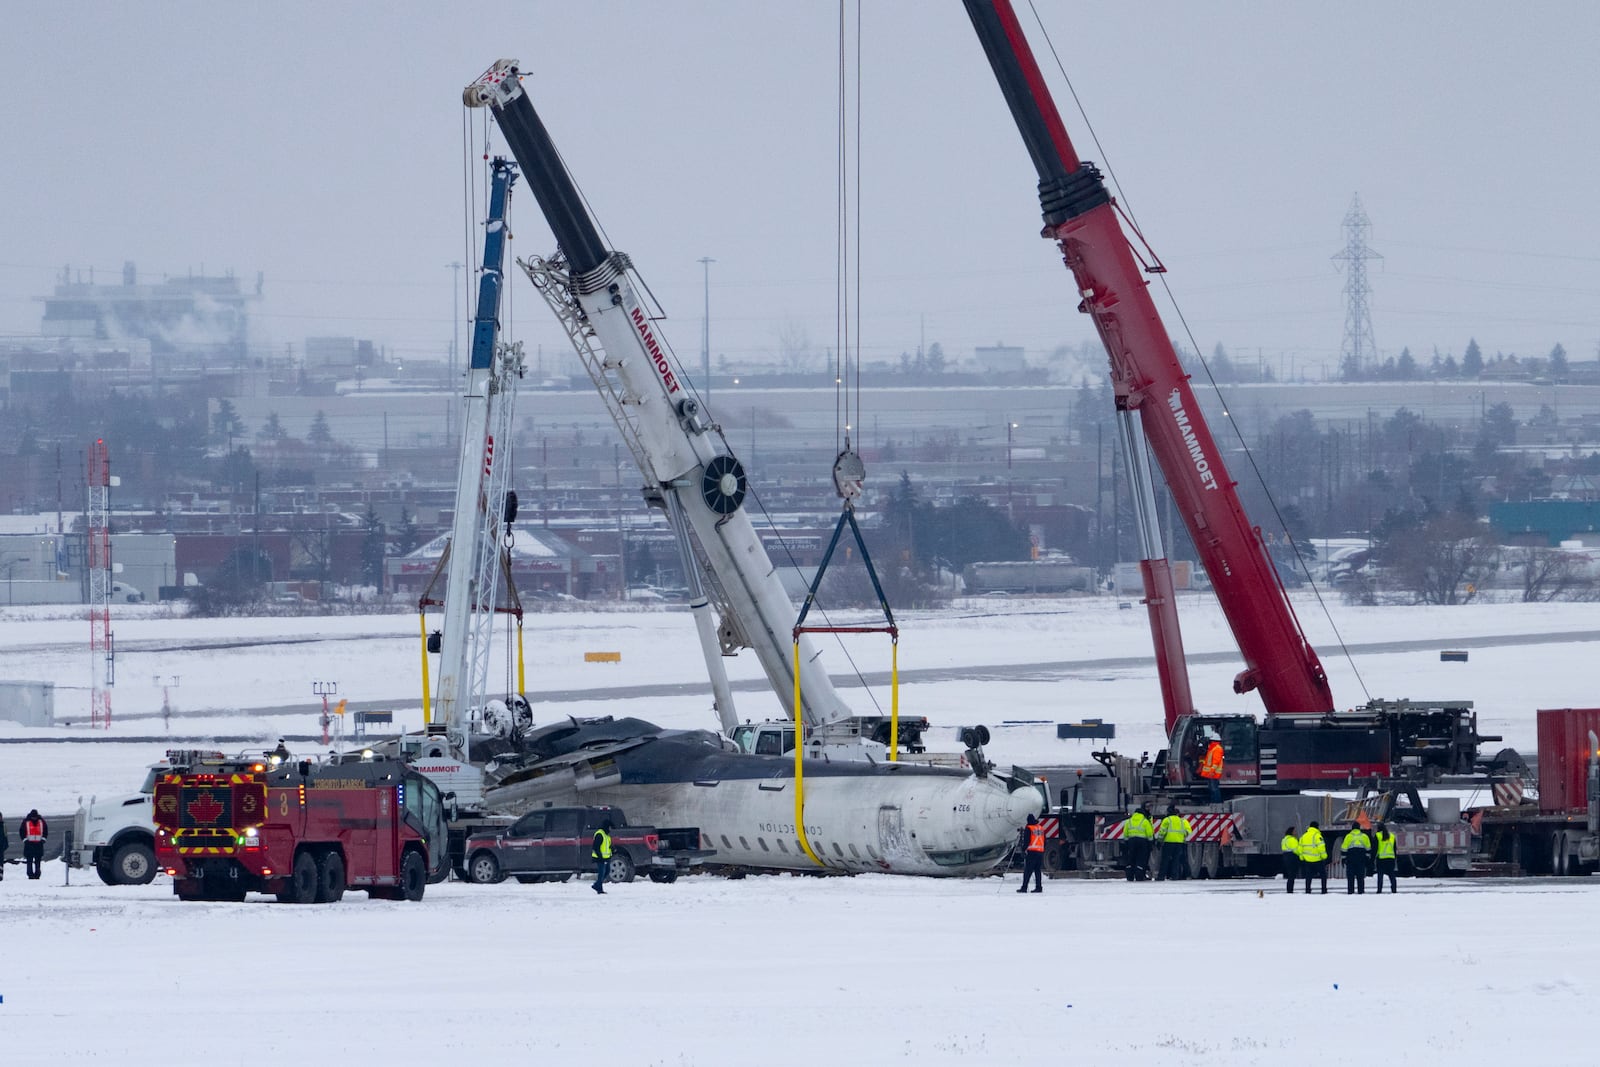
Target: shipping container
x,y
1564,757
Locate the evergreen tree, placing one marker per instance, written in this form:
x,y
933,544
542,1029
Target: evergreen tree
x,y
1221,366
1500,425
1558,363
320,434
410,537
1405,367
1350,369
1472,360
226,421
373,548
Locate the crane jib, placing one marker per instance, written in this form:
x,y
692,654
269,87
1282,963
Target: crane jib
x,y
1197,454
648,337
1081,220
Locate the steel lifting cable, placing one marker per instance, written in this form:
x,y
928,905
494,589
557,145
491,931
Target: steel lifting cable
x,y
847,467
841,249
1194,345
469,206
857,420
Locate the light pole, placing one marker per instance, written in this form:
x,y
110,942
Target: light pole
x,y
705,332
455,317
1010,509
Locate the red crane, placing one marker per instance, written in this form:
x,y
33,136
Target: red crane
x,y
1080,215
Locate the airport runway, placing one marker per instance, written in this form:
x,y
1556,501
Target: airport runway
x,y
1039,671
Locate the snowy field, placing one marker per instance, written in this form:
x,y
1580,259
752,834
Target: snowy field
x,y
787,970
783,970
988,661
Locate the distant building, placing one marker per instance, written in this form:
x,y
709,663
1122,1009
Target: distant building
x,y
337,356
1546,522
541,563
999,359
193,315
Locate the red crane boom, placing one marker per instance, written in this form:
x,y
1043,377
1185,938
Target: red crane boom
x,y
1080,216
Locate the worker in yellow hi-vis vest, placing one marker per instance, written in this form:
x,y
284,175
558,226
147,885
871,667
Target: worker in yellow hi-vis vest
x,y
1137,834
600,852
1357,845
1314,857
1383,842
1173,833
1290,847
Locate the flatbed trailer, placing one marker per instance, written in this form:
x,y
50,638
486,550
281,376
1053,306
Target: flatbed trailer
x,y
1241,836
1559,832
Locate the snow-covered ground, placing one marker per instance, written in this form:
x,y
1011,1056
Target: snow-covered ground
x,y
775,971
781,970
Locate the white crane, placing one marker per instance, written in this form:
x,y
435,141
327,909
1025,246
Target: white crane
x,y
686,463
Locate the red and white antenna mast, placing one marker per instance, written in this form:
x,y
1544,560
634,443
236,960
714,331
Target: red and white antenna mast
x,y
102,651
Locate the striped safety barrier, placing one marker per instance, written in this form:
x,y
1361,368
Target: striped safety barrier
x,y
1208,826
1507,793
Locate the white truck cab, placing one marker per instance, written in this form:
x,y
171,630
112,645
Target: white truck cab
x,y
116,836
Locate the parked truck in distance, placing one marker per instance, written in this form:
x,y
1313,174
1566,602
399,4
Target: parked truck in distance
x,y
553,844
302,830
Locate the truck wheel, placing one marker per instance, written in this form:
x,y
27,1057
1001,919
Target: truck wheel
x,y
664,877
485,869
302,885
102,867
1558,855
621,868
413,876
133,864
330,879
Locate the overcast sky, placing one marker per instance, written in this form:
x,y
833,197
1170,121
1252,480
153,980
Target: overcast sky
x,y
321,144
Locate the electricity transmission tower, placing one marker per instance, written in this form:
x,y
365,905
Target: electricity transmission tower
x,y
1359,351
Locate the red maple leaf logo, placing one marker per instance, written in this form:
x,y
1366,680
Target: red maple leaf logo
x,y
204,808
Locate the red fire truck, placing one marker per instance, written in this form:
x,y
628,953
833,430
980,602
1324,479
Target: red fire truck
x,y
300,829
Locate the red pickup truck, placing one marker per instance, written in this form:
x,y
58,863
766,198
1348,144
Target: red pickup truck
x,y
553,844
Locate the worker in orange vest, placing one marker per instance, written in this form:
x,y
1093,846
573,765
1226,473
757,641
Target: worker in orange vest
x,y
1211,769
34,832
1032,841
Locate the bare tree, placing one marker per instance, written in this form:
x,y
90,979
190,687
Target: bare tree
x,y
1550,574
1442,561
311,546
794,346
